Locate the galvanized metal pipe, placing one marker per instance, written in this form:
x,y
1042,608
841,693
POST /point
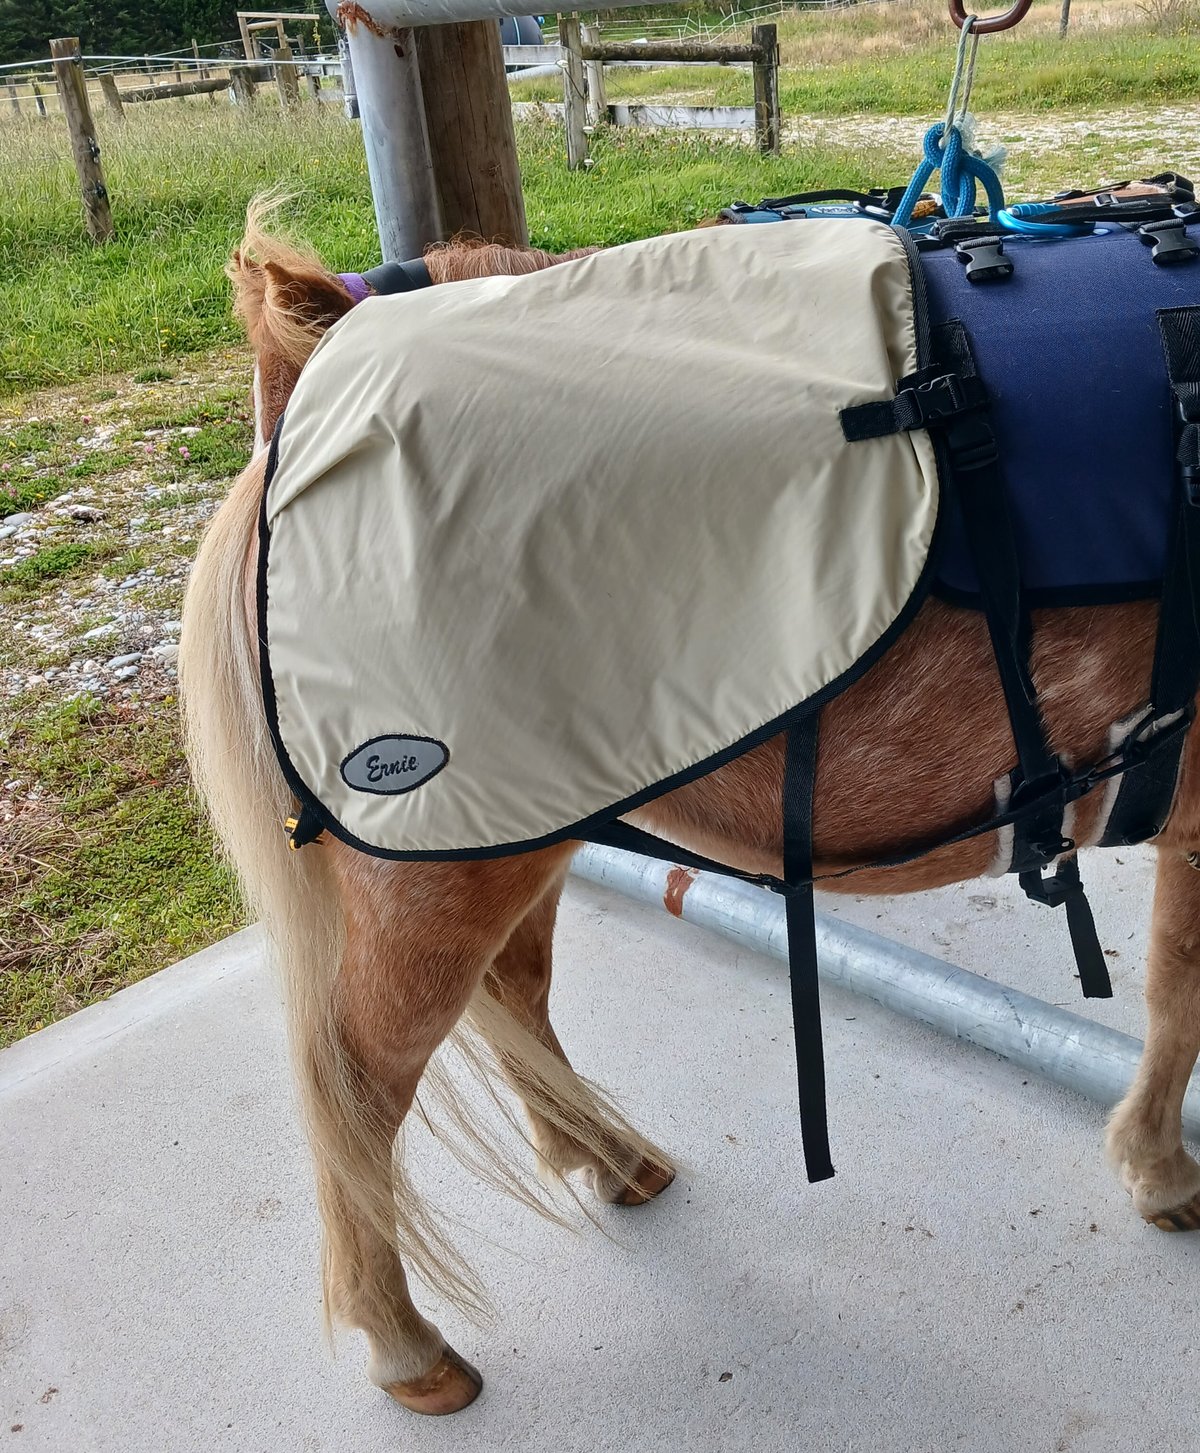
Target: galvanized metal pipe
x,y
349,95
388,84
1065,1048
451,12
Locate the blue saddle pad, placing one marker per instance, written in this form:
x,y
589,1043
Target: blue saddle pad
x,y
1069,349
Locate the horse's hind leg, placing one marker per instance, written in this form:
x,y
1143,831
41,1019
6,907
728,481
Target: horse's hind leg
x,y
573,1130
1145,1139
419,938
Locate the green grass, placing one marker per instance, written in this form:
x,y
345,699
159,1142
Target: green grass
x,y
28,577
896,59
112,874
180,174
180,179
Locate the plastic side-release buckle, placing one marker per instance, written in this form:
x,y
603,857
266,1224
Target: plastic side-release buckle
x,y
944,397
1170,242
985,259
303,828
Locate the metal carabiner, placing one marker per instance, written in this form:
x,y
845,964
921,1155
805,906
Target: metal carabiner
x,y
993,24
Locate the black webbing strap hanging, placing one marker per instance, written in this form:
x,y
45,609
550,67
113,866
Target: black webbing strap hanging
x,y
799,778
1143,800
948,398
796,888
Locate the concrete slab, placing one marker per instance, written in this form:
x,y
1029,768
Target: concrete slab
x,y
972,1279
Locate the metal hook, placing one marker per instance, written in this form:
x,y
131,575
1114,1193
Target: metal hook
x,y
996,22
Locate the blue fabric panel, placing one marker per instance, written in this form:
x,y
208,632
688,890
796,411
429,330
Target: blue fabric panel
x,y
1069,349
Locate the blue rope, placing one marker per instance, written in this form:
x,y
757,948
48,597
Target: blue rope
x,y
961,171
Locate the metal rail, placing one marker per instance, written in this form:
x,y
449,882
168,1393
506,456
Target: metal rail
x,y
1065,1048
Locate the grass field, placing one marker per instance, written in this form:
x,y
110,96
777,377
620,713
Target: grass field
x,y
123,410
180,178
896,59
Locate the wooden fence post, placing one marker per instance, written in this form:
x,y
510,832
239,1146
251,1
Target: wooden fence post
x,y
574,91
468,118
72,91
112,97
1064,18
13,99
285,76
202,71
37,99
766,88
597,100
241,83
312,82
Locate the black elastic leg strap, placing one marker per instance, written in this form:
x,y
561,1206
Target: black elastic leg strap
x,y
799,778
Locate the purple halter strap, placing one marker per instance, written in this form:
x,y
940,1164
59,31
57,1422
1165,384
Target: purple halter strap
x,y
356,285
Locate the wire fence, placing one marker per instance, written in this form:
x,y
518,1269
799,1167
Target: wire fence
x,y
27,88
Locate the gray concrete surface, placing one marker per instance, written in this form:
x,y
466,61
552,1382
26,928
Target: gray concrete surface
x,y
972,1279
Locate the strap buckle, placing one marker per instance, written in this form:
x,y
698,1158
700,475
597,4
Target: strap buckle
x,y
1169,240
302,829
985,259
941,398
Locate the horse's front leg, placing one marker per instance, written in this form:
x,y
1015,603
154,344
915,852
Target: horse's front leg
x,y
1145,1135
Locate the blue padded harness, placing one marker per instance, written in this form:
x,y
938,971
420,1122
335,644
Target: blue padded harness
x,y
1069,347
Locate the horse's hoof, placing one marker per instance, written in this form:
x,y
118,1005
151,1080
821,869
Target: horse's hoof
x,y
1181,1218
648,1181
450,1385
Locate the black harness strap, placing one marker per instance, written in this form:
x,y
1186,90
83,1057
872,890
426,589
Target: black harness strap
x,y
799,778
1143,800
796,888
399,277
948,399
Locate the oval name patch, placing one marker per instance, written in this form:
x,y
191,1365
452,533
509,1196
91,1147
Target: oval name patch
x,y
389,765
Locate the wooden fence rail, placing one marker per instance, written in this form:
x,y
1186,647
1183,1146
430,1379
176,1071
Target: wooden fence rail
x,y
578,51
175,89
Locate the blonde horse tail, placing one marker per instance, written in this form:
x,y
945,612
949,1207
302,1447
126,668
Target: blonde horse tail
x,y
293,894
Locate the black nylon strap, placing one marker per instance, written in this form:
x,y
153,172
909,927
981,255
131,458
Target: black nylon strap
x,y
799,777
974,465
950,400
630,839
1144,799
399,277
796,887
1063,888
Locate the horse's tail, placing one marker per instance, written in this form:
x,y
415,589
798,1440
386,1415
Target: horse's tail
x,y
235,770
294,894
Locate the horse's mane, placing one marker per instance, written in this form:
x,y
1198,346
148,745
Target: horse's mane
x,y
286,298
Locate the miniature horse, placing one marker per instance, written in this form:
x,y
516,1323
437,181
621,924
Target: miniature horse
x,y
382,961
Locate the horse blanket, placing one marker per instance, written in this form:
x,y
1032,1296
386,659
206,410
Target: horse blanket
x,y
537,549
